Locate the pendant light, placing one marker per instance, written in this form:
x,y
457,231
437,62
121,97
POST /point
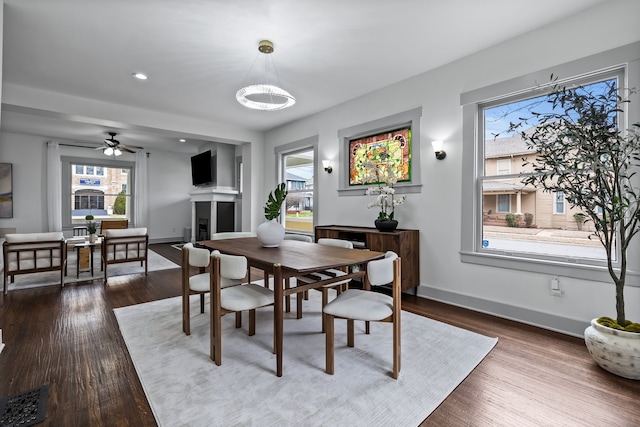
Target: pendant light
x,y
266,96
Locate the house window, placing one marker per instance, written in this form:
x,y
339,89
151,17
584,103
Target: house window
x,y
558,205
97,189
503,167
504,203
551,245
297,166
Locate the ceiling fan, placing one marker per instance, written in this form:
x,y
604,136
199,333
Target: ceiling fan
x,y
113,146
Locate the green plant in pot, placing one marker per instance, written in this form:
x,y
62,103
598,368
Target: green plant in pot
x,y
92,226
581,152
271,233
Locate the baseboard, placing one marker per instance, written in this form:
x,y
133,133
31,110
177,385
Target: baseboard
x,y
548,321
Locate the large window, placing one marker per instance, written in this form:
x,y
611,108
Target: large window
x,y
506,223
101,190
299,170
296,163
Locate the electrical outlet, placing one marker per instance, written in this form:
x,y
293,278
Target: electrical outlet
x,y
554,287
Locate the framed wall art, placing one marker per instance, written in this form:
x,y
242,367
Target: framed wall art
x,y
6,190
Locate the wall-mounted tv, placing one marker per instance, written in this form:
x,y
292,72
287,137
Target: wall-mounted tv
x,y
202,169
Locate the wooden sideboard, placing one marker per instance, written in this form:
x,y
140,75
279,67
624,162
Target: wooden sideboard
x,y
406,243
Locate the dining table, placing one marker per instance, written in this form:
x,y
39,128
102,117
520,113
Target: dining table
x,y
293,258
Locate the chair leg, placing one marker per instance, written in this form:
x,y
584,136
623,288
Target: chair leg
x,y
186,316
287,299
238,319
201,303
396,347
299,297
329,350
325,301
252,322
216,329
350,333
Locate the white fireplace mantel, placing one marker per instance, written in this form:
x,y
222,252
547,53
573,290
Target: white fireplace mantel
x,y
211,195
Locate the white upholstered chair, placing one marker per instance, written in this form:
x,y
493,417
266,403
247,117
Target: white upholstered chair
x,y
193,284
229,270
356,304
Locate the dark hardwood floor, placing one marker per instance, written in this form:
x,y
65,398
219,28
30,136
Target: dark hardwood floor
x,y
69,338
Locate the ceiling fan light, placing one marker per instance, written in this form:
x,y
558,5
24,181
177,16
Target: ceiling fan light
x,y
117,152
108,151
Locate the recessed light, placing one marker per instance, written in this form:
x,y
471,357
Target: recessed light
x,y
182,140
140,76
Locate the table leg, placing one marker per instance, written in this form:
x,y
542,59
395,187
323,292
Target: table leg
x,y
92,259
278,317
77,261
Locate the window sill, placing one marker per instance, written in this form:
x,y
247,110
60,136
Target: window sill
x,y
597,273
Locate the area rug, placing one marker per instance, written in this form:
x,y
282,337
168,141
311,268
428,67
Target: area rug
x,y
25,281
186,388
24,409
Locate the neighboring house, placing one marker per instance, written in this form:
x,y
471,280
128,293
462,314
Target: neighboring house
x,y
302,201
501,196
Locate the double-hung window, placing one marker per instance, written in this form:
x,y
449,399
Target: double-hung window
x,y
508,223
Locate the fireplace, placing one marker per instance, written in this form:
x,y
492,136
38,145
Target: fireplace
x,y
213,211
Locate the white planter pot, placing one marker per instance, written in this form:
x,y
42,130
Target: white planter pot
x,y
270,233
615,351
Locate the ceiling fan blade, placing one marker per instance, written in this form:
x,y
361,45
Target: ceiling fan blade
x,y
125,148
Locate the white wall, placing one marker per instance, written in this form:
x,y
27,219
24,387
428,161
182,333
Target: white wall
x,y
436,211
169,186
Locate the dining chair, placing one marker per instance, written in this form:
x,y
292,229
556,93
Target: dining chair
x,y
198,284
367,305
230,270
327,274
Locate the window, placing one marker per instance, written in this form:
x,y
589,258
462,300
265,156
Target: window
x,y
543,237
558,205
98,189
504,203
297,166
298,170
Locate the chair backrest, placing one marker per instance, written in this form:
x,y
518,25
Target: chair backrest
x,y
336,242
298,237
196,257
232,235
380,272
233,268
113,224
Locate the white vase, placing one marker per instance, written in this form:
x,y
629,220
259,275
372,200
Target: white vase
x,y
92,238
615,351
270,233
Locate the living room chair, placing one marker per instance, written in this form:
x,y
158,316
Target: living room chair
x,y
112,224
356,304
197,284
326,274
227,271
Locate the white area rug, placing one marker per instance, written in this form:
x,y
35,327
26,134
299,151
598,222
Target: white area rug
x,y
50,278
186,388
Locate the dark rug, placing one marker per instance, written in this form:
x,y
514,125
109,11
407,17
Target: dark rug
x,y
24,409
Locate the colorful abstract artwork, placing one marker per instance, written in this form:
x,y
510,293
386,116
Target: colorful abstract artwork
x,y
376,158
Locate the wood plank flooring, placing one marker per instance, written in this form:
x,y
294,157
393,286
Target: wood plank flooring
x,y
70,339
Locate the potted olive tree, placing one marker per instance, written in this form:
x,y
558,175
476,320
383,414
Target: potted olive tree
x,y
581,152
271,233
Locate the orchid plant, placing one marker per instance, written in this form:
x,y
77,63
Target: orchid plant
x,y
386,200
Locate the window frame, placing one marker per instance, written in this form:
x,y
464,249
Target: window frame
x,y
306,144
409,119
68,172
623,61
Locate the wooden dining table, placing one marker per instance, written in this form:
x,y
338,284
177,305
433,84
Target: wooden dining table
x,y
292,258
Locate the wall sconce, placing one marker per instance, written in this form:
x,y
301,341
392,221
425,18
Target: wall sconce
x,y
437,148
326,164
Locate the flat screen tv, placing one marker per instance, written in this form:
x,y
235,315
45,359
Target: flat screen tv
x,y
202,169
